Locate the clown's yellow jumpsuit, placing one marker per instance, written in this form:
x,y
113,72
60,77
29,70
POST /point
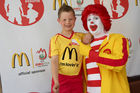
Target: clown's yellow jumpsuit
x,y
111,59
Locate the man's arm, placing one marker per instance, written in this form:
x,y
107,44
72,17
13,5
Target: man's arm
x,y
54,69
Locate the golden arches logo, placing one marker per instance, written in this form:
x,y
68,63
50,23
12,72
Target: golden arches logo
x,y
59,2
137,2
20,59
70,53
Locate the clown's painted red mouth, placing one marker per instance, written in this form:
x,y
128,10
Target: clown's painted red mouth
x,y
93,27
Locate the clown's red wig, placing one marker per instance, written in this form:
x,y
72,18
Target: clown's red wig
x,y
99,10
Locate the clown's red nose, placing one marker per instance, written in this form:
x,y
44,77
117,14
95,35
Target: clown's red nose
x,y
92,22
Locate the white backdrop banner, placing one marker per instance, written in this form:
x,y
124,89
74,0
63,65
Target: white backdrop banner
x,y
26,27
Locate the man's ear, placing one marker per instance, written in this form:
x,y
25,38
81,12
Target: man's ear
x,y
58,20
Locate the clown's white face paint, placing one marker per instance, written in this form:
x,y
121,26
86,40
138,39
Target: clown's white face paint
x,y
95,25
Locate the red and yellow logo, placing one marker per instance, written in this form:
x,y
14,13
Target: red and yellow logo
x,y
36,59
22,12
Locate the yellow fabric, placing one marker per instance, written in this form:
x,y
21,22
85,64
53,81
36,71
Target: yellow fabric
x,y
69,64
84,75
114,43
113,78
84,49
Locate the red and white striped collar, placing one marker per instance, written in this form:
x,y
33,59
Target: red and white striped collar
x,y
100,38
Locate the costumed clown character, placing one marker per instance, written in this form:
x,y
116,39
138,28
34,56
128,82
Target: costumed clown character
x,y
107,54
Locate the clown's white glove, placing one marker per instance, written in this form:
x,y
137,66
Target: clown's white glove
x,y
84,49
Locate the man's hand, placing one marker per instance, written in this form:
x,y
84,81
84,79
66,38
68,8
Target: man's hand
x,y
87,38
56,88
84,49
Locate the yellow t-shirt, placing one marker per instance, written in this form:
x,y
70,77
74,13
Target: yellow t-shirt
x,y
70,59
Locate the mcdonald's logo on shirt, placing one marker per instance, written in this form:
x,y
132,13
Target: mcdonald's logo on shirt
x,y
70,53
20,59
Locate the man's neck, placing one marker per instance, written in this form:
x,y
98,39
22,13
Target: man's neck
x,y
66,33
101,35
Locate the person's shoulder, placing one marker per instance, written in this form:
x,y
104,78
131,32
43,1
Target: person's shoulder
x,y
117,35
79,34
56,35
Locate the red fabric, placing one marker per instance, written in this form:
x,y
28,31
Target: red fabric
x,y
107,51
70,84
96,47
96,83
93,56
93,70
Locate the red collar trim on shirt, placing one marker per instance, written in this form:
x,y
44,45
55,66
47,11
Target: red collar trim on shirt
x,y
67,37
